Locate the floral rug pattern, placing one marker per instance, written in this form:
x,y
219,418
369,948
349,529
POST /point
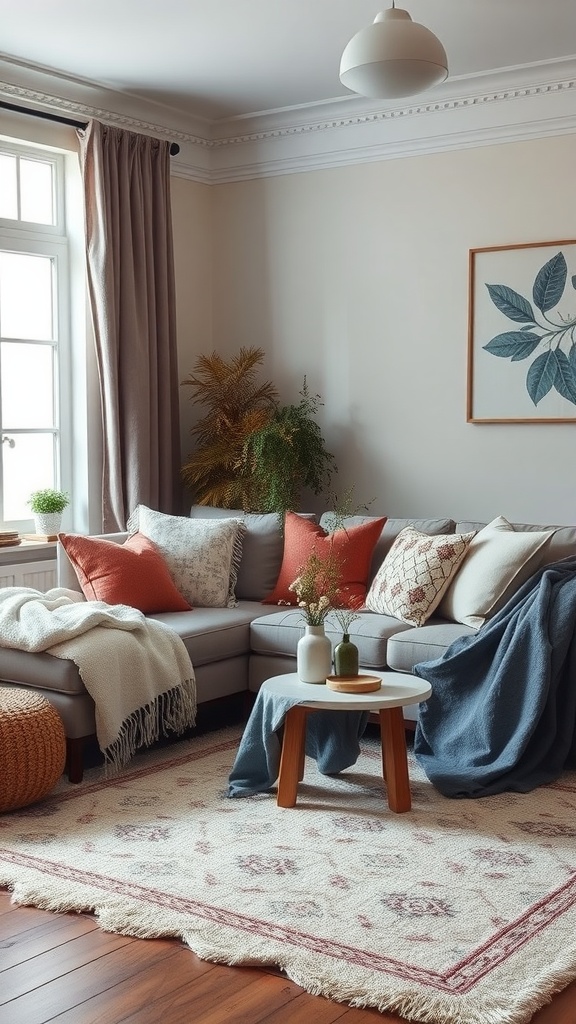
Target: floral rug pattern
x,y
457,912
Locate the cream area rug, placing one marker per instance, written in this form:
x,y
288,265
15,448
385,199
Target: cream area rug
x,y
457,912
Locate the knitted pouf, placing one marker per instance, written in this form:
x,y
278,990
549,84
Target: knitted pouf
x,y
32,747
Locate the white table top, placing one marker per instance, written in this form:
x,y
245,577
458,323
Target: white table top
x,y
397,691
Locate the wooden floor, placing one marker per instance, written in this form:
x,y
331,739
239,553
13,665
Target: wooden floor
x,y
64,968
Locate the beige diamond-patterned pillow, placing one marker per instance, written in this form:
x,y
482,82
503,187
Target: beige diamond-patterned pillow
x,y
416,573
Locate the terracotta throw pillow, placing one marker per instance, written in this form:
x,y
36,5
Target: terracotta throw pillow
x,y
416,573
354,546
133,573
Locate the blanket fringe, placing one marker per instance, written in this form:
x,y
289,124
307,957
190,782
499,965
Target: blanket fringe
x,y
171,712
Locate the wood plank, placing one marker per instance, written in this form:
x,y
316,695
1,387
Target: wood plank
x,y
15,920
53,932
59,961
41,1004
307,1009
205,999
250,1004
153,991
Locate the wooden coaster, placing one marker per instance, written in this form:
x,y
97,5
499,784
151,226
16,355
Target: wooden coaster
x,y
353,684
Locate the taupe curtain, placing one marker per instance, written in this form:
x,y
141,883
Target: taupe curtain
x,y
131,287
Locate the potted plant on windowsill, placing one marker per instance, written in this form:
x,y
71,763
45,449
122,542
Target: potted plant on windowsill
x,y
47,507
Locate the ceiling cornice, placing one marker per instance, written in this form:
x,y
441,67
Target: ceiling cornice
x,y
511,105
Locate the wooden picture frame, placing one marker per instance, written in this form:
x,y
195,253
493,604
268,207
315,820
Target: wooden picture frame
x,y
522,333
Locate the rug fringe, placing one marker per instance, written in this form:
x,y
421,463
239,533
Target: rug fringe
x,y
213,945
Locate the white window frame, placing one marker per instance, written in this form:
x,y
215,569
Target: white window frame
x,y
48,240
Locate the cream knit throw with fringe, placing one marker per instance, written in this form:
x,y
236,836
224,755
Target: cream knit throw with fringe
x,y
137,670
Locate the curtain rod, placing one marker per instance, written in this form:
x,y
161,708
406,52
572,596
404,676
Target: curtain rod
x,y
174,147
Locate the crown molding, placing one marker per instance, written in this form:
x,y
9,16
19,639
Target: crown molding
x,y
514,104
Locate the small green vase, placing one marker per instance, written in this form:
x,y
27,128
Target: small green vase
x,y
346,657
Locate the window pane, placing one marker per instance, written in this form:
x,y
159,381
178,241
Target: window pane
x,y
25,296
8,189
28,466
26,382
36,191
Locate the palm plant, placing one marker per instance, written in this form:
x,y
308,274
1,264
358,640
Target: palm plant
x,y
237,405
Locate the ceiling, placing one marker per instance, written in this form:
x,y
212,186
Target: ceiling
x,y
219,59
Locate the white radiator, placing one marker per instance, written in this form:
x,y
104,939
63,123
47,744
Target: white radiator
x,y
38,575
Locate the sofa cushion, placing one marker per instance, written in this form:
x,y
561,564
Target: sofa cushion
x,y
415,574
202,556
353,546
133,573
40,671
498,562
278,634
423,643
214,634
390,530
262,548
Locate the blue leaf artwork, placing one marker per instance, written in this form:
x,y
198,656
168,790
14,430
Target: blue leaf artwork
x,y
544,328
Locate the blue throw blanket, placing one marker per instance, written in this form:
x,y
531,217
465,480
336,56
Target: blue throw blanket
x,y
332,738
502,715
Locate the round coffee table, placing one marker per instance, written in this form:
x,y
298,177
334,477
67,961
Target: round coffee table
x,y
396,692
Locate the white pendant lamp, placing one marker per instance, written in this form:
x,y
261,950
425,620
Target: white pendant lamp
x,y
393,57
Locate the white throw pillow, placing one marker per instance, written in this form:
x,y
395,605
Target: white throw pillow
x,y
202,555
498,561
415,574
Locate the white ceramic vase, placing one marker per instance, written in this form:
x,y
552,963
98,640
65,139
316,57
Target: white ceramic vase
x,y
314,656
48,524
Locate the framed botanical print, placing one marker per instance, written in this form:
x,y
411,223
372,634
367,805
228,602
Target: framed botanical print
x,y
522,333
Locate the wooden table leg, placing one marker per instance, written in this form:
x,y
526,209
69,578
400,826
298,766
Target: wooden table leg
x,y
394,759
292,757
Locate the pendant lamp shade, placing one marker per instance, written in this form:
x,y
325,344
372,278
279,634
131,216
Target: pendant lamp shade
x,y
393,57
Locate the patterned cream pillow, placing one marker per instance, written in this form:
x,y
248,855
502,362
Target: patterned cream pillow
x,y
202,555
415,574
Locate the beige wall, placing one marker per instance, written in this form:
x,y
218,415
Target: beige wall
x,y
358,278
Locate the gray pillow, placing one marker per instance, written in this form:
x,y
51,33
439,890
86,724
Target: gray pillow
x,y
262,549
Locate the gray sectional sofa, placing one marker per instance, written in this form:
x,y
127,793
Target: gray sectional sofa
x,y
235,649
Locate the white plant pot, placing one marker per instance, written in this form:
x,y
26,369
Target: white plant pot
x,y
48,523
314,656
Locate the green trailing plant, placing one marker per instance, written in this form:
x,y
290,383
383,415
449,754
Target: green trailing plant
x,y
286,455
237,405
48,500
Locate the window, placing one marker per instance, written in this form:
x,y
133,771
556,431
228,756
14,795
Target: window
x,y
34,304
